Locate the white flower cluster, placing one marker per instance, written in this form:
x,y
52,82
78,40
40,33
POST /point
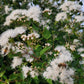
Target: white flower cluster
x,y
70,5
28,55
81,53
30,36
72,47
79,18
58,67
68,30
45,23
16,62
80,50
24,50
7,9
67,7
11,33
27,69
18,47
76,41
32,12
61,16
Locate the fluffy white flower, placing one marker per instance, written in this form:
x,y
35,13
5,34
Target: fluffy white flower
x,y
72,47
70,5
50,53
25,70
79,18
33,12
61,16
59,48
28,57
75,7
80,49
68,30
16,62
19,30
58,67
4,38
33,74
65,76
75,41
6,9
82,55
66,4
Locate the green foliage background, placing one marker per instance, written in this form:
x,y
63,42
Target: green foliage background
x,y
15,76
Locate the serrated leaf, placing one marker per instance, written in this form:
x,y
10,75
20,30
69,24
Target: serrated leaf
x,y
46,33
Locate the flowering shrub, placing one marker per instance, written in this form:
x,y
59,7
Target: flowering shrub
x,y
41,42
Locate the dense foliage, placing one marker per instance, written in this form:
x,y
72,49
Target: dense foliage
x,y
41,42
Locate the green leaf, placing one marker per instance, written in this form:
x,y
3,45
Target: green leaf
x,y
21,75
13,76
35,28
4,77
49,81
2,73
37,46
7,81
2,82
46,33
37,50
36,80
14,55
44,50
